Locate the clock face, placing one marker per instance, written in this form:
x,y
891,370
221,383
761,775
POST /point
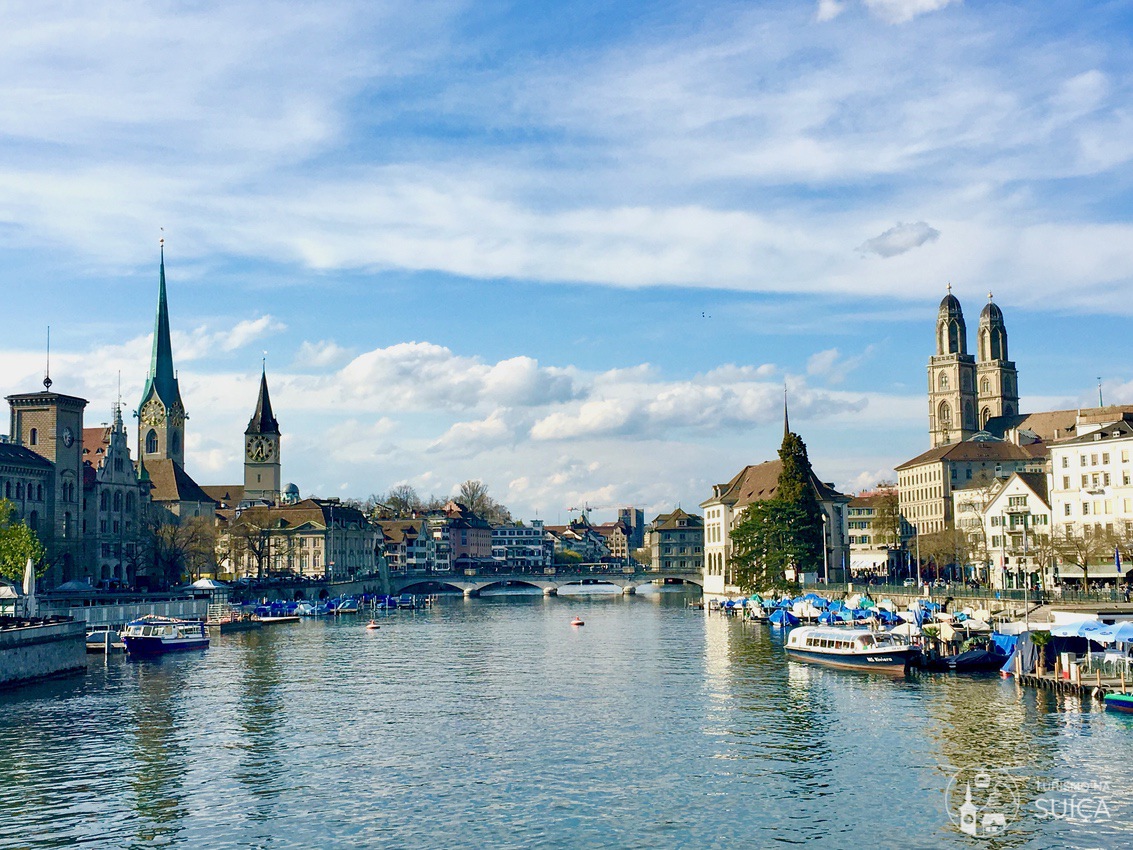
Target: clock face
x,y
260,449
68,437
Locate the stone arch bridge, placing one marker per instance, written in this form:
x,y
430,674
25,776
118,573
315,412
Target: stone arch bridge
x,y
472,582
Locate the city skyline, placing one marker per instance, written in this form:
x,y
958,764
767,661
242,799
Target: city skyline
x,y
570,251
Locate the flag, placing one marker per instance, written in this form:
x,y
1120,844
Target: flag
x,y
1117,558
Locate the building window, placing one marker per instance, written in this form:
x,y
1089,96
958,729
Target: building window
x,y
33,437
1065,461
1066,509
151,442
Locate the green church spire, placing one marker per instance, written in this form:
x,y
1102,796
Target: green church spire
x,y
161,376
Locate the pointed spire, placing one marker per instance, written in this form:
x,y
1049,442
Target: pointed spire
x,y
263,420
162,378
786,421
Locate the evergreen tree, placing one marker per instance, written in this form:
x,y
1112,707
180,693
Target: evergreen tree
x,y
783,533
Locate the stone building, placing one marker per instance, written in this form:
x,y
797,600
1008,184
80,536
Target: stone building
x,y
675,541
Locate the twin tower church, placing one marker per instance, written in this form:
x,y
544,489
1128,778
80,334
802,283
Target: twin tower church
x,y
964,392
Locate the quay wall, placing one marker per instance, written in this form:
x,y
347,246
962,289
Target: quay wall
x,y
117,614
39,652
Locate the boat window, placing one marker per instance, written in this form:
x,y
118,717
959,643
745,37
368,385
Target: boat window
x,y
147,631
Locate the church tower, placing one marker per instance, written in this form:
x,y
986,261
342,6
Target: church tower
x,y
998,380
951,378
261,450
161,415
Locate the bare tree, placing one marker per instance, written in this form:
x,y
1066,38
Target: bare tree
x,y
887,520
249,539
1079,545
474,495
403,500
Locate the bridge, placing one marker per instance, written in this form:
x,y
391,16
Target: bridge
x,y
471,582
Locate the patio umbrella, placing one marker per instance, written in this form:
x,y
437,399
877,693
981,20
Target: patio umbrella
x,y
1114,633
30,604
1079,628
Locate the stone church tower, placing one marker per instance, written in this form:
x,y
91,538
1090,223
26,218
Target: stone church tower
x,y
261,450
965,391
951,378
997,378
161,415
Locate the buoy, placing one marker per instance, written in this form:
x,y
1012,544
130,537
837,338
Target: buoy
x,y
577,621
372,625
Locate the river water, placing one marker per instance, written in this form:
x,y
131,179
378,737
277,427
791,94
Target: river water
x,y
493,723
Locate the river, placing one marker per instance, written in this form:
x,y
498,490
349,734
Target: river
x,y
493,723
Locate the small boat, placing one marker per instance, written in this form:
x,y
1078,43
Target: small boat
x,y
577,621
856,648
372,625
1122,703
154,635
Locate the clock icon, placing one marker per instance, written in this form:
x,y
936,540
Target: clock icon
x,y
68,437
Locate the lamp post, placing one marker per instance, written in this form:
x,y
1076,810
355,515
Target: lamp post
x,y
917,540
825,542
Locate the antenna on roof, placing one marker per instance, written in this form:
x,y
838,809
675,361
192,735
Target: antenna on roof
x,y
1100,402
47,371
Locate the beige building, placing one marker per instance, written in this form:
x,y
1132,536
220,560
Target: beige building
x,y
876,549
925,483
676,541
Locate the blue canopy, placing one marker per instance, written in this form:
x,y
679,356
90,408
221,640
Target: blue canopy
x,y
784,618
1115,632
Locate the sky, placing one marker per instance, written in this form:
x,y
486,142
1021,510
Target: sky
x,y
573,250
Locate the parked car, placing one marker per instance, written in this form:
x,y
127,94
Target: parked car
x,y
909,582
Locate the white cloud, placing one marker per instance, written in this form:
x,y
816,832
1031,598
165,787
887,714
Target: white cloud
x,y
899,239
903,11
467,439
828,10
319,354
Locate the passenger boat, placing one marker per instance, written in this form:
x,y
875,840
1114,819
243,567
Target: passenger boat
x,y
1122,703
860,649
155,635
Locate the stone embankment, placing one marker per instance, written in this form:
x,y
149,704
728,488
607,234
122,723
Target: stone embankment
x,y
31,650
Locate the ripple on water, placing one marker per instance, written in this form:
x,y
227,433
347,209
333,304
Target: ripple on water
x,y
493,723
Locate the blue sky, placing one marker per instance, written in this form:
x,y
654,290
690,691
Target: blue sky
x,y
572,250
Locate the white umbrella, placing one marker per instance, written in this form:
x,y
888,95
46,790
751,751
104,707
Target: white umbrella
x,y
32,607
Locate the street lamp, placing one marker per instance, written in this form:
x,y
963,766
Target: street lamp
x,y
825,567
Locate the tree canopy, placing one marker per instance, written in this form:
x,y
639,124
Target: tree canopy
x,y
782,534
18,542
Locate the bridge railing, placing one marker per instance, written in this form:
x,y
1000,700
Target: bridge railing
x,y
961,591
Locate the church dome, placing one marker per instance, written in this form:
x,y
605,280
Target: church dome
x,y
991,314
950,307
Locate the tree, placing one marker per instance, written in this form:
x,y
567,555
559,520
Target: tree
x,y
944,547
175,548
18,543
767,542
474,495
248,539
1078,546
783,533
887,519
402,500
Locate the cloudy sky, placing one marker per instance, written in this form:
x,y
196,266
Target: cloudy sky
x,y
574,250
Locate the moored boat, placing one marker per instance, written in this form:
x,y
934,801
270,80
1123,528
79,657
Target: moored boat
x,y
153,635
1122,703
860,649
104,640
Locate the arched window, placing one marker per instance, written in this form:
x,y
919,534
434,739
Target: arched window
x,y
969,415
19,490
151,442
33,437
104,501
7,489
985,415
39,493
945,413
33,520
943,381
117,502
129,501
67,524
985,386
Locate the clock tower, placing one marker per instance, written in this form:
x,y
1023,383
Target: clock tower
x,y
261,450
161,414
